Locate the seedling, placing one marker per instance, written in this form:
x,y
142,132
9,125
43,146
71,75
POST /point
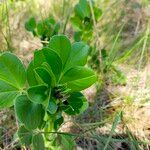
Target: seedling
x,y
110,70
82,20
50,86
43,29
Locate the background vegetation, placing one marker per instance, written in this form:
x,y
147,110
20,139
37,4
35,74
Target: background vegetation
x,y
119,113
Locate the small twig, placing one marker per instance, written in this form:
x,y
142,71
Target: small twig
x,y
94,20
95,123
66,21
144,45
11,145
63,133
45,42
137,27
97,41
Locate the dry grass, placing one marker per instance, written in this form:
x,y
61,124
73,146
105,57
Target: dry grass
x,y
133,99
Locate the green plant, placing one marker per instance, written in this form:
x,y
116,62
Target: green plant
x,y
43,29
5,29
82,20
50,86
110,70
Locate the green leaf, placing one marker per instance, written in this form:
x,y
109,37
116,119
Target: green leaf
x,y
12,70
50,21
87,35
77,23
44,75
40,28
30,25
38,94
8,94
49,70
56,28
82,9
88,25
117,77
79,78
31,76
67,142
97,12
77,36
48,26
29,113
51,57
78,55
104,55
52,106
38,142
77,104
58,122
12,79
25,136
61,45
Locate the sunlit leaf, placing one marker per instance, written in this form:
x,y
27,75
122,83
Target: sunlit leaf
x,y
61,45
79,78
12,79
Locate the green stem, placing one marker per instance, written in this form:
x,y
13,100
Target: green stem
x,y
144,45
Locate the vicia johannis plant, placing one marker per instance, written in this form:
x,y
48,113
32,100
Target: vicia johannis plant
x,y
49,87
